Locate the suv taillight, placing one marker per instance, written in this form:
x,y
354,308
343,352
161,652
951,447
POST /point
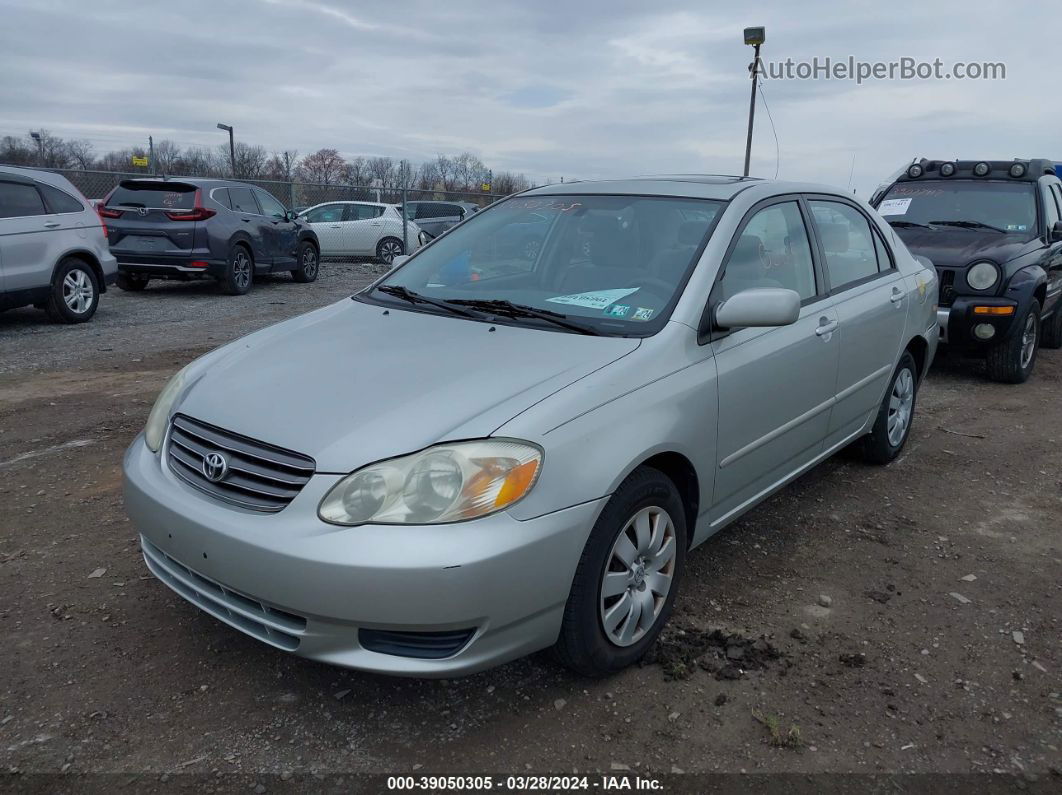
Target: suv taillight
x,y
107,212
197,213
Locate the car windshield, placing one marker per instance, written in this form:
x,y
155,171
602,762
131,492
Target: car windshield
x,y
612,265
1006,206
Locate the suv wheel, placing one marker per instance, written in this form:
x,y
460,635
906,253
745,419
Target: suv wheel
x,y
895,415
75,292
389,248
308,264
239,273
1052,330
1012,361
627,578
131,282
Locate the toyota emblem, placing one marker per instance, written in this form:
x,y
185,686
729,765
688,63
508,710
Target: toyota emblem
x,y
215,467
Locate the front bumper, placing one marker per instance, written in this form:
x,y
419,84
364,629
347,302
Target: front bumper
x,y
308,587
957,322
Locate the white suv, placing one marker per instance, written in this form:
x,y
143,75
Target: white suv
x,y
362,229
53,246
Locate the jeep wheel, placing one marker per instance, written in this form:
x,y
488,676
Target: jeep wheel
x,y
1012,361
627,578
239,272
75,292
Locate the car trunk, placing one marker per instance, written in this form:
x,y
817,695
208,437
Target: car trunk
x,y
151,217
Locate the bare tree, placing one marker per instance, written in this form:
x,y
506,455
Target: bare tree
x,y
468,172
82,153
506,182
283,165
325,166
17,152
167,156
250,160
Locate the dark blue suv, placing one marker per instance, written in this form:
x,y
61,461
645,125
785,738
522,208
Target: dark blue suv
x,y
204,228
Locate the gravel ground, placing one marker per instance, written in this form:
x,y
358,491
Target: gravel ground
x,y
876,620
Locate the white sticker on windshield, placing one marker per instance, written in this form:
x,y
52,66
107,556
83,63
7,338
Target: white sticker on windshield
x,y
894,207
598,299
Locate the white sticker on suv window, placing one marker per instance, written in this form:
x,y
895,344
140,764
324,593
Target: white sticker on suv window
x,y
598,299
894,207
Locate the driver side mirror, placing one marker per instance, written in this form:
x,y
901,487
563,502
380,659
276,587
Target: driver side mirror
x,y
759,307
1056,232
290,215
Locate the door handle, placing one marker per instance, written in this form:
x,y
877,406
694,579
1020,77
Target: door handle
x,y
374,224
335,226
897,296
246,220
826,328
52,225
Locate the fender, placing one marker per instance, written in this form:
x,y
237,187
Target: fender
x,y
1022,288
90,258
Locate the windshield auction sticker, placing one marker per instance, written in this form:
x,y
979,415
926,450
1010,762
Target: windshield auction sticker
x,y
598,299
894,207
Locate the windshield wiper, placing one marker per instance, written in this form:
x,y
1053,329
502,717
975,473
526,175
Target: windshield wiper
x,y
509,309
398,291
906,224
969,225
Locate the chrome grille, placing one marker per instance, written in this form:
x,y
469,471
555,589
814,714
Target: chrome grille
x,y
274,626
254,475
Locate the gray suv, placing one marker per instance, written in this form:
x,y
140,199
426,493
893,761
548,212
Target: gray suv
x,y
53,248
205,228
435,217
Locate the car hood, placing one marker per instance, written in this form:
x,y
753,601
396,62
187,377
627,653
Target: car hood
x,y
957,248
354,383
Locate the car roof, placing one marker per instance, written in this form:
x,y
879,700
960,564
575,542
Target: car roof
x,y
694,186
28,174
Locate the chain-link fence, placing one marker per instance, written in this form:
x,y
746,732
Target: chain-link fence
x,y
352,222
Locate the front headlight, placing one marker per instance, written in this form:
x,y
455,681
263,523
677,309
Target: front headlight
x,y
159,418
445,483
982,275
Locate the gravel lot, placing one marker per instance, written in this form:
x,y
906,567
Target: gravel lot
x,y
907,617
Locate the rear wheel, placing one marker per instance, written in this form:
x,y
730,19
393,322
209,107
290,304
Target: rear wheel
x,y
1012,361
131,282
893,423
1052,330
75,292
389,248
308,264
627,578
239,272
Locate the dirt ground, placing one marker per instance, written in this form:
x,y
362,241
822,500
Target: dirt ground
x,y
878,620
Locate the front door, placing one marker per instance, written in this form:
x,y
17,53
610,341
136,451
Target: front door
x,y
871,303
26,230
327,223
281,234
776,385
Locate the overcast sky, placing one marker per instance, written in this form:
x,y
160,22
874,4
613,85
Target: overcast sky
x,y
576,88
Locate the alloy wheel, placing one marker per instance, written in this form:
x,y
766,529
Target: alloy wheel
x,y
241,269
901,405
638,576
309,262
1028,341
390,249
78,291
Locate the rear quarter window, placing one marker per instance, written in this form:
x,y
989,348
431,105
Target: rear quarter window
x,y
58,201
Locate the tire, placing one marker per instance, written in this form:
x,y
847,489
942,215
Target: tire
x,y
895,416
239,272
1012,361
131,283
389,248
75,292
309,264
1051,333
585,645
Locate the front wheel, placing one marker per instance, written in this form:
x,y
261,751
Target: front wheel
x,y
627,578
308,264
893,423
75,292
1012,361
389,248
239,272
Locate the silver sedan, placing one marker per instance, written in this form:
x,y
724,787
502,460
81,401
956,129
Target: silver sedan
x,y
487,453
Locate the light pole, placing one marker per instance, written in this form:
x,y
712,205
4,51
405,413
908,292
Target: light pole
x,y
232,146
755,37
36,136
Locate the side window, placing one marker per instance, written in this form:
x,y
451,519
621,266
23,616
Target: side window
x,y
18,200
270,206
847,242
364,212
325,214
59,201
771,251
885,258
1057,191
221,196
1050,207
242,200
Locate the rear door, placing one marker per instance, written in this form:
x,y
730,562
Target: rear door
x,y
362,229
138,223
26,233
871,304
281,233
251,220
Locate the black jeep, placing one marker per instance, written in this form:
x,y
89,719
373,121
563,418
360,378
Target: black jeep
x,y
993,229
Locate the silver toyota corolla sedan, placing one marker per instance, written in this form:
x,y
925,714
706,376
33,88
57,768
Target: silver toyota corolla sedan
x,y
501,447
